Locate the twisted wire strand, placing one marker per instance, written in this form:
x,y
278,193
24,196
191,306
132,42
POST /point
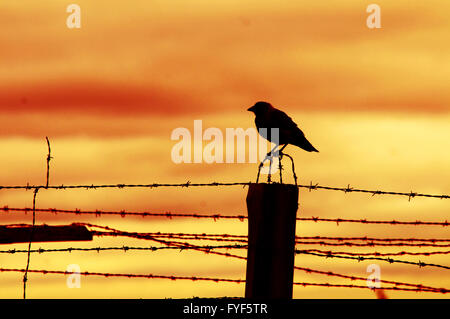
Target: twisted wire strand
x,y
310,187
309,270
215,216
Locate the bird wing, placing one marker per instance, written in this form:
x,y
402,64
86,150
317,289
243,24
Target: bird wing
x,y
280,119
289,131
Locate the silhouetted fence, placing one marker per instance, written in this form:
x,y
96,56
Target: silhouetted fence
x,y
177,241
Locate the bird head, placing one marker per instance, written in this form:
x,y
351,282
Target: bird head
x,y
260,107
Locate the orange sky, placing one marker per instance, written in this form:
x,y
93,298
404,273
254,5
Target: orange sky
x,y
374,102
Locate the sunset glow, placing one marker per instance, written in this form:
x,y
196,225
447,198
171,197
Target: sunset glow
x,y
375,102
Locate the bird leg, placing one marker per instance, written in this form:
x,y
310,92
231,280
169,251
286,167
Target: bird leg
x,y
259,170
268,157
280,167
269,176
260,166
293,167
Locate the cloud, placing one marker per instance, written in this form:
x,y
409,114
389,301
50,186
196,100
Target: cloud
x,y
173,61
87,97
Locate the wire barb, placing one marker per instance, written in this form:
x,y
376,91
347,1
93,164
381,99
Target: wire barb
x,y
361,258
221,184
171,240
25,276
215,216
49,157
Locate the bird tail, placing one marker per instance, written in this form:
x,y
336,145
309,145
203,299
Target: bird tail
x,y
310,148
306,145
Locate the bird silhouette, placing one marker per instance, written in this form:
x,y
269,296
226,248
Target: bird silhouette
x,y
266,116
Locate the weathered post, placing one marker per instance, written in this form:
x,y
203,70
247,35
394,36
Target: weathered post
x,y
43,233
272,212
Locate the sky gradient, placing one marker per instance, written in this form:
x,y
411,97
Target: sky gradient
x,y
374,102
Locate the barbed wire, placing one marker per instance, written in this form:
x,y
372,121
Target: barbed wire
x,y
116,232
25,278
365,238
120,248
401,253
349,189
206,249
49,158
234,237
217,280
309,270
362,258
107,274
151,236
210,247
36,190
123,213
370,244
418,286
359,258
244,237
328,255
396,283
187,235
365,221
321,243
215,216
311,187
121,186
367,287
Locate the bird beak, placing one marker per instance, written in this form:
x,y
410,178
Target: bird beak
x,y
250,109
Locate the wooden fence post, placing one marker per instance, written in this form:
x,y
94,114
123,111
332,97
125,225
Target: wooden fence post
x,y
43,233
272,212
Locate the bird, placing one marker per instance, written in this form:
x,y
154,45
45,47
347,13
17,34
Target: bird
x,y
269,117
